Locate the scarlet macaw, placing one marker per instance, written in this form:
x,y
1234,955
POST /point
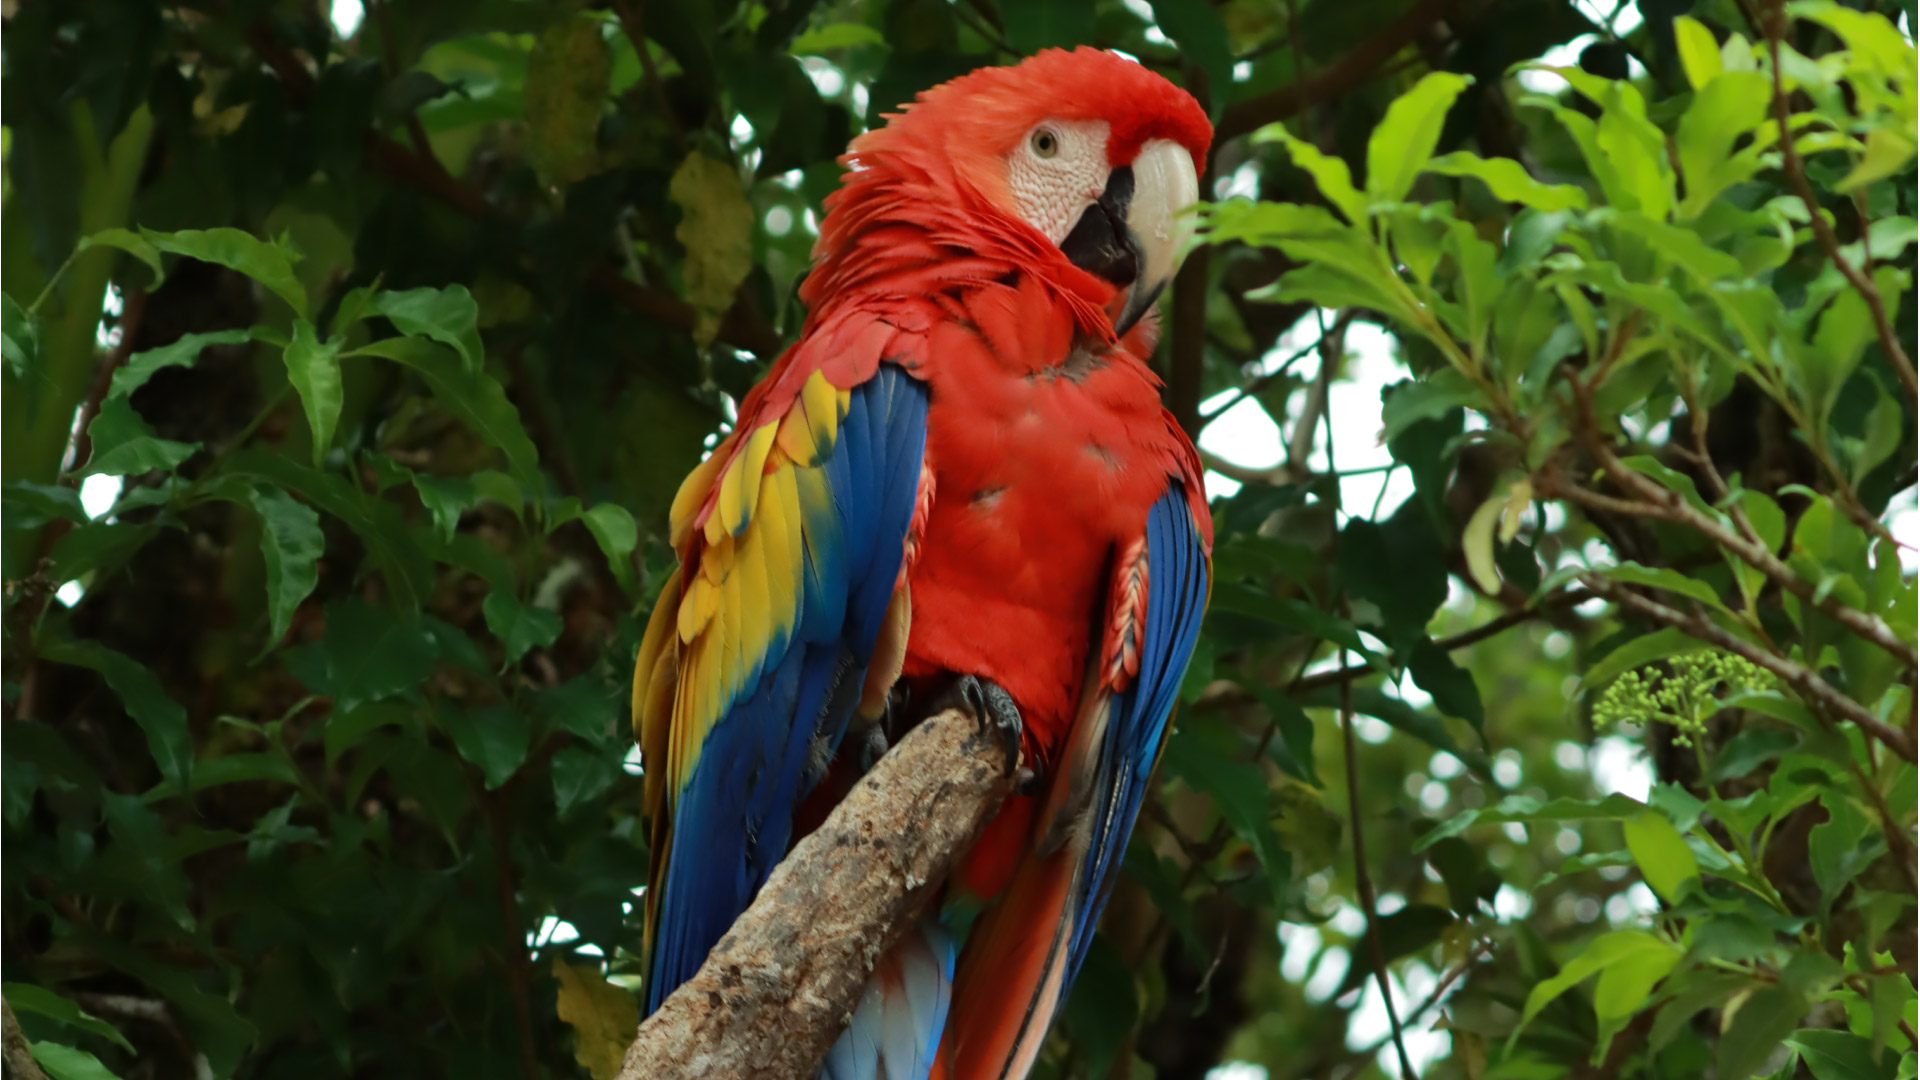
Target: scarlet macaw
x,y
962,471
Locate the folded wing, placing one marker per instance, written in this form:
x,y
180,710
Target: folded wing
x,y
792,538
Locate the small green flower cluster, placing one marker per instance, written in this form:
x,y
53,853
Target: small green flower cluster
x,y
1686,696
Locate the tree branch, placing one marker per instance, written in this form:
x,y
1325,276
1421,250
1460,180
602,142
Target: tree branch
x,y
1802,678
778,988
1656,500
1857,276
18,1057
1353,68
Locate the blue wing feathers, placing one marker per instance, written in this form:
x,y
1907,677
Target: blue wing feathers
x,y
734,820
1176,599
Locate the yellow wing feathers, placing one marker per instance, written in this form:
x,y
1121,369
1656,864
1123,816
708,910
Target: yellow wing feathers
x,y
740,522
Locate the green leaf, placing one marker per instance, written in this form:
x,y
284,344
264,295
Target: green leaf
x,y
1699,53
1762,1023
1102,1008
1887,152
159,716
1407,403
1330,174
1638,150
568,75
1662,854
1838,345
446,498
347,728
614,529
1703,990
1747,751
1452,687
183,353
27,505
1293,750
1659,577
313,366
494,738
229,769
834,36
25,997
716,228
1881,435
1509,181
291,543
447,315
269,264
68,1063
1401,146
19,339
97,547
582,706
1721,113
407,572
1526,809
1239,791
1833,847
372,654
519,626
474,396
580,776
1841,1055
124,444
1637,653
133,244
1644,952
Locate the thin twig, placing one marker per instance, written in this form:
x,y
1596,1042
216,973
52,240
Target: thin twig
x,y
1363,881
1658,501
1355,66
1802,678
1268,379
979,25
1362,878
1447,980
133,311
1822,231
13,1044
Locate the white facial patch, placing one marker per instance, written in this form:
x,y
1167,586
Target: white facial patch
x,y
1057,171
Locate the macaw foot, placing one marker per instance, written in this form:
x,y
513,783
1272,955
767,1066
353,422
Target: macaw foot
x,y
993,709
873,746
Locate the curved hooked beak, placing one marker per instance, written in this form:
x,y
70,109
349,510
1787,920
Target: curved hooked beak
x,y
1134,233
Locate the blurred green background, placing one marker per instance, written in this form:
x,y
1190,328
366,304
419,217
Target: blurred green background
x,y
353,354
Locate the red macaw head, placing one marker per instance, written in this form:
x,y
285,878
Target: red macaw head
x,y
1096,152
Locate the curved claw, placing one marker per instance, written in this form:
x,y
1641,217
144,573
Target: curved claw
x,y
990,705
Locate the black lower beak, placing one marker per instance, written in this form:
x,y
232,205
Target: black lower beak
x,y
1100,242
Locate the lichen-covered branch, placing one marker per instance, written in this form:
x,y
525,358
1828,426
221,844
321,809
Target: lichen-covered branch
x,y
776,990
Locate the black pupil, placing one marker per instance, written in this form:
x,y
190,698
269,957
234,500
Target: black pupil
x,y
1045,142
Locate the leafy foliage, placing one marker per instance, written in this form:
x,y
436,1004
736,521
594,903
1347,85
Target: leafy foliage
x,y
318,634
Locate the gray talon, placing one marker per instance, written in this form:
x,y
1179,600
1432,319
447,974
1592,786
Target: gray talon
x,y
991,706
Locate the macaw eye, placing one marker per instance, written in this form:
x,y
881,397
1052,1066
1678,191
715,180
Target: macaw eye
x,y
1045,143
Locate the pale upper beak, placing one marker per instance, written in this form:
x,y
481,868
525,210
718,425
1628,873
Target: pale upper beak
x,y
1134,234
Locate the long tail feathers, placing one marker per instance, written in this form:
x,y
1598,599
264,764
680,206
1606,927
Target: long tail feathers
x,y
898,1022
1013,975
